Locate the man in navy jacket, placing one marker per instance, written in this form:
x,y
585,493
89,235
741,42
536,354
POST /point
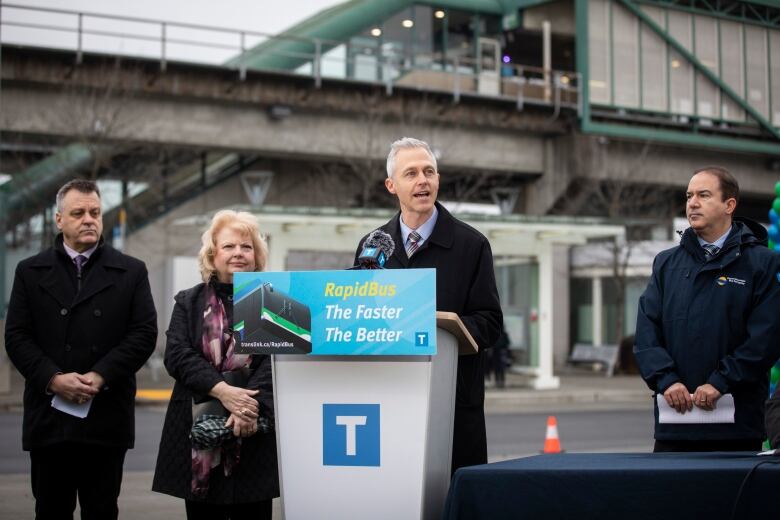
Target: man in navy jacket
x,y
709,321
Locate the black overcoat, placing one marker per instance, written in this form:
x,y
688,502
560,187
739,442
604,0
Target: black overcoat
x,y
110,327
466,285
256,476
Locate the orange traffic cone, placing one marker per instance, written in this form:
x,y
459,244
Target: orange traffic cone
x,y
552,444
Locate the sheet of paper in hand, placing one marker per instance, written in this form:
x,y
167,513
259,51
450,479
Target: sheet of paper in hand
x,y
70,408
723,413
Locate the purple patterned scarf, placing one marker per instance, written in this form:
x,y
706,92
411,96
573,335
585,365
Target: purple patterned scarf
x,y
218,346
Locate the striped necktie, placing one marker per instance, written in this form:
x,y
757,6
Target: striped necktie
x,y
412,243
710,250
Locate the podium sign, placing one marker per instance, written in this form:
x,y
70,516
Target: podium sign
x,y
369,312
364,392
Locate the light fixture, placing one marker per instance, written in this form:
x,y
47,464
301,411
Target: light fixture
x,y
376,32
565,79
675,64
506,59
408,23
439,14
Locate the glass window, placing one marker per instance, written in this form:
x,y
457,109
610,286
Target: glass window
x,y
518,289
625,27
757,77
598,51
581,302
707,93
732,71
680,69
654,63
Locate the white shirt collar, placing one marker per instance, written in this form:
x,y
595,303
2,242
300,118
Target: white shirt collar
x,y
72,253
424,230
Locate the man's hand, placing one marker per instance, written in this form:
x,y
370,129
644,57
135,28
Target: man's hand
x,y
677,397
706,397
241,427
73,387
97,381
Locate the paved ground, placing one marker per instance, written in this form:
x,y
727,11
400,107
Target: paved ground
x,y
507,409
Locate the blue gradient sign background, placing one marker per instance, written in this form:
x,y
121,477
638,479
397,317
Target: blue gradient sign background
x,y
369,312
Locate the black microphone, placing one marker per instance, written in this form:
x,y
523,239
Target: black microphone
x,y
376,250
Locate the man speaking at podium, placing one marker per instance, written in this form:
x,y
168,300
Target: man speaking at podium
x,y
427,235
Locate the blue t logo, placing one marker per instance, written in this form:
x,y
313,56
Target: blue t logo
x,y
350,434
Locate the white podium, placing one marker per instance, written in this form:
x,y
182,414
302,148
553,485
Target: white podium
x,y
368,436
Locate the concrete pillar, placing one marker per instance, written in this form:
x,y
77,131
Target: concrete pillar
x,y
547,318
598,307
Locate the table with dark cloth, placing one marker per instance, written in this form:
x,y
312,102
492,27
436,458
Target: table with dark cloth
x,y
618,485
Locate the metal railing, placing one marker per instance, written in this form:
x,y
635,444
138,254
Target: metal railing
x,y
317,58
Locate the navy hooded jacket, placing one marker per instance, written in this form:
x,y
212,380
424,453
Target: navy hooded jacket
x,y
715,322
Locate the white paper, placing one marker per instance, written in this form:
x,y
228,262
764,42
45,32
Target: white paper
x,y
723,413
76,410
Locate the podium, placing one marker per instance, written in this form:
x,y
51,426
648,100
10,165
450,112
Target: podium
x,y
368,436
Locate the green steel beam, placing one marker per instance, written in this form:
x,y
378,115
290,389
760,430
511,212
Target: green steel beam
x,y
762,121
583,60
44,176
680,138
726,12
296,46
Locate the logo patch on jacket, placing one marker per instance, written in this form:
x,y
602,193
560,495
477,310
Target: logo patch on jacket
x,y
723,280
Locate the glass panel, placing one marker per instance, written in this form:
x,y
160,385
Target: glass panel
x,y
732,70
654,82
581,301
625,27
757,73
518,289
774,56
423,36
681,71
707,93
598,51
634,289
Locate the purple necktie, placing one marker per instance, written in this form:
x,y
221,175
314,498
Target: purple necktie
x,y
80,260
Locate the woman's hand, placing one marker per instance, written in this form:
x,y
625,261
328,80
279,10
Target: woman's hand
x,y
238,401
241,427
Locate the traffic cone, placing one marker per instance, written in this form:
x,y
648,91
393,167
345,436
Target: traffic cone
x,y
552,444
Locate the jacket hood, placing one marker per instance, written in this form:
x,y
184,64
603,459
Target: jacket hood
x,y
751,227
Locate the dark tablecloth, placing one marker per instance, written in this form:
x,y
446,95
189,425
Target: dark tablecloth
x,y
618,485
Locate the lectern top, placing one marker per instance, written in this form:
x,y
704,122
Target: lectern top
x,y
452,323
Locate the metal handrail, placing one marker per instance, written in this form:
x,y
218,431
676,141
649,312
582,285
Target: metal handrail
x,y
393,68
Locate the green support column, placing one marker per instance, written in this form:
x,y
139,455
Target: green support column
x,y
581,42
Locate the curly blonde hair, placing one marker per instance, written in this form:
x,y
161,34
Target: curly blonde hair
x,y
241,221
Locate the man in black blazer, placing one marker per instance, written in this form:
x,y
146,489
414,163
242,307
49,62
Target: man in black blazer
x,y
427,235
80,323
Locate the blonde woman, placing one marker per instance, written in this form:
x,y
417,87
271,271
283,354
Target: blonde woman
x,y
223,465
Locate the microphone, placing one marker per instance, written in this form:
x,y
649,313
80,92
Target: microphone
x,y
376,250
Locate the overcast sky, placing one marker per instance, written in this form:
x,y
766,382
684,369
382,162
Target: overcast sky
x,y
265,16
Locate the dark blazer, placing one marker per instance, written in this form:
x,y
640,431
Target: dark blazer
x,y
466,285
110,327
256,476
713,322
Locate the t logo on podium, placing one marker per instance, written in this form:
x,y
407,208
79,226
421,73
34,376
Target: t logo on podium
x,y
350,434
